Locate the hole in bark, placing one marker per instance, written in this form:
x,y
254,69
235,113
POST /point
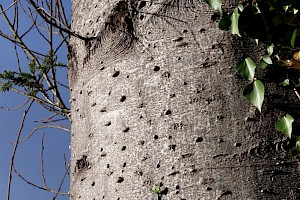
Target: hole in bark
x,y
109,93
172,95
123,98
166,74
202,30
82,164
103,109
124,164
177,187
199,139
184,83
107,123
123,148
156,68
93,183
116,73
107,166
80,92
141,17
102,68
142,142
141,4
208,188
126,129
158,165
141,105
237,144
120,180
173,146
170,137
155,137
168,112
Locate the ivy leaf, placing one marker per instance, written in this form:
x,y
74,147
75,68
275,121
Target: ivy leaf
x,y
296,150
293,40
215,4
255,41
234,28
246,68
270,49
284,125
285,82
263,64
240,7
267,59
255,93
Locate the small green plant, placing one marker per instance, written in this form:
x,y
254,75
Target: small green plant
x,y
156,189
275,24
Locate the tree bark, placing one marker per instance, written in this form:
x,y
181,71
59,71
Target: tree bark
x,y
157,105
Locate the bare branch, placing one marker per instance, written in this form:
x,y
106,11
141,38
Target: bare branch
x,y
15,149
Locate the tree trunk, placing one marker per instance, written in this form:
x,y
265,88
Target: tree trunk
x,y
158,112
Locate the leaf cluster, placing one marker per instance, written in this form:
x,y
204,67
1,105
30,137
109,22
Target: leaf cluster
x,y
31,82
276,24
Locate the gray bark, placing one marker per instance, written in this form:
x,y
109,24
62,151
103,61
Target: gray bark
x,y
156,102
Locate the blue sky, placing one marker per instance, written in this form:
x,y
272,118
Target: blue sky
x,y
56,142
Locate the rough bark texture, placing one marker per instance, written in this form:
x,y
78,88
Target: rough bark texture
x,y
156,102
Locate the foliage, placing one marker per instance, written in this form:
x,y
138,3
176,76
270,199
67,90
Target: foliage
x,y
276,24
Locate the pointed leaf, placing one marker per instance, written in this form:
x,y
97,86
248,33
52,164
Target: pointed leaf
x,y
267,59
255,41
263,64
285,82
240,7
284,125
255,93
293,40
215,4
296,150
246,68
234,28
270,49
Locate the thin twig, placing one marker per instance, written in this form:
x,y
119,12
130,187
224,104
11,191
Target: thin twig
x,y
15,149
9,6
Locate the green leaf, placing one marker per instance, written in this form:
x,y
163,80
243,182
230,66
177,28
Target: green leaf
x,y
225,23
270,49
255,41
215,4
257,8
293,40
255,93
267,59
240,7
284,125
285,82
246,68
234,28
263,64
